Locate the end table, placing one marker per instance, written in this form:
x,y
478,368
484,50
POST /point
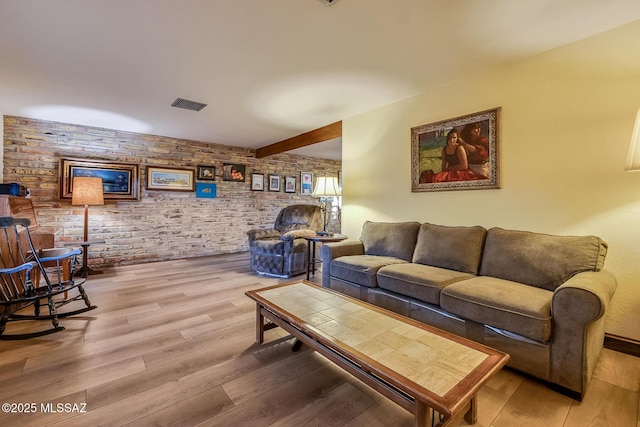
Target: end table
x,y
311,250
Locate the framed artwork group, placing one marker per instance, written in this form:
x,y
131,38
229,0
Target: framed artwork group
x,y
121,181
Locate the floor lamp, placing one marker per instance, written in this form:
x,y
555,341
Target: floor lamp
x,y
86,191
633,160
326,188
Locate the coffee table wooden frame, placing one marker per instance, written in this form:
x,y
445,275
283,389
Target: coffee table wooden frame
x,y
462,399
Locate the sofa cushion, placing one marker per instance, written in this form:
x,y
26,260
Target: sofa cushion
x,y
418,281
393,239
521,309
540,260
454,248
361,269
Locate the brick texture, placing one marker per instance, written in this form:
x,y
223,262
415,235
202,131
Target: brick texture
x,y
163,224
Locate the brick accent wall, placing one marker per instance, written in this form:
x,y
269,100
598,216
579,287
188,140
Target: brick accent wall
x,y
163,224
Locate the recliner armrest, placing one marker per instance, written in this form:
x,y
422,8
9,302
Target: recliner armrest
x,y
263,233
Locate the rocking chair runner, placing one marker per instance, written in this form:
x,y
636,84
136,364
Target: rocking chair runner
x,y
29,276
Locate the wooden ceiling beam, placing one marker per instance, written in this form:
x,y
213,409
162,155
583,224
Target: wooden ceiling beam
x,y
325,133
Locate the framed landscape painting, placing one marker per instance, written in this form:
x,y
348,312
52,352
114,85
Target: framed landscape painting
x,y
456,154
120,181
170,179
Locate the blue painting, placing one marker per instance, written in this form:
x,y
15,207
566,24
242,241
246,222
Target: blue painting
x,y
205,190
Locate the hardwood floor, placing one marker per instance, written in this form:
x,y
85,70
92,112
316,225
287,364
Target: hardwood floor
x,y
172,343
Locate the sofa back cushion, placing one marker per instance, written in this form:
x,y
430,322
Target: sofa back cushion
x,y
394,239
540,260
453,248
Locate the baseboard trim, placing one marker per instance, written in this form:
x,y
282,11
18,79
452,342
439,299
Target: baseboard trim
x,y
622,344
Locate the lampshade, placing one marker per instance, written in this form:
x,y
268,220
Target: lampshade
x,y
633,160
87,191
326,186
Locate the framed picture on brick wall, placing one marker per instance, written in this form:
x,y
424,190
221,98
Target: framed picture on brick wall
x,y
170,179
275,182
290,184
306,183
206,173
257,182
120,181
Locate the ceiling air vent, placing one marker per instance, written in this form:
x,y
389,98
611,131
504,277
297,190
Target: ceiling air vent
x,y
188,105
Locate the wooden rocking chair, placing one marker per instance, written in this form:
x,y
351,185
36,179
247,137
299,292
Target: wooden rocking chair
x,y
31,277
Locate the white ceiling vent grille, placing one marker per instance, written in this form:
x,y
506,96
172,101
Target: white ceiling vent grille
x,y
188,105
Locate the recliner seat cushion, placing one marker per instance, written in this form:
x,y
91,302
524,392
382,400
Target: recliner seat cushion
x,y
418,281
515,307
454,248
540,260
392,239
361,269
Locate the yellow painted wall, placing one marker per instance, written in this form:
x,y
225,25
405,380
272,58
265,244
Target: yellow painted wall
x,y
567,117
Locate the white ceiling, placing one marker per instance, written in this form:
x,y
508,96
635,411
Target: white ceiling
x,y
268,69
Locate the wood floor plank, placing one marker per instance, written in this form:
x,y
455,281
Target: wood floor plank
x,y
534,404
173,343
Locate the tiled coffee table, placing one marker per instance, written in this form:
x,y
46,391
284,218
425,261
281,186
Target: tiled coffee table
x,y
415,365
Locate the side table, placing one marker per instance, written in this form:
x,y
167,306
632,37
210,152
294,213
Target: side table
x,y
311,250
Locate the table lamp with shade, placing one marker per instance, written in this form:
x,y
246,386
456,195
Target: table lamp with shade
x,y
326,189
86,191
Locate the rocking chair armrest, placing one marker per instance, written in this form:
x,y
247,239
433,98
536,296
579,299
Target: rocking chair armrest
x,y
11,270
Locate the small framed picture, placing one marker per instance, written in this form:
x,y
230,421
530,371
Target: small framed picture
x,y
290,184
274,182
233,172
205,190
206,173
257,182
306,183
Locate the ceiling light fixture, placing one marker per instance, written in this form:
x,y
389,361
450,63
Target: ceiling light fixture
x,y
188,105
328,2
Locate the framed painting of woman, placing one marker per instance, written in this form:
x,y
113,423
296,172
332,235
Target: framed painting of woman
x,y
456,154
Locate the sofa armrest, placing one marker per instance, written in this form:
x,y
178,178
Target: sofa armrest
x,y
263,233
584,297
331,251
578,308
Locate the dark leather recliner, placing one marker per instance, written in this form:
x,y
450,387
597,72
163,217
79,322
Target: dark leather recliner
x,y
282,251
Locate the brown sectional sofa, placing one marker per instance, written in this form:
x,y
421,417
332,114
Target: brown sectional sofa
x,y
538,297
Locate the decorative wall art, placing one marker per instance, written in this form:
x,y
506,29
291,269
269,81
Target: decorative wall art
x,y
257,182
120,181
290,184
456,154
170,179
306,183
274,182
205,190
206,173
233,172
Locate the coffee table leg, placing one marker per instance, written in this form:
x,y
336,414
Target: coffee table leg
x,y
259,325
471,417
422,414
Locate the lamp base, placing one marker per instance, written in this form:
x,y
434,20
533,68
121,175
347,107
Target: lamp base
x,y
324,233
85,271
